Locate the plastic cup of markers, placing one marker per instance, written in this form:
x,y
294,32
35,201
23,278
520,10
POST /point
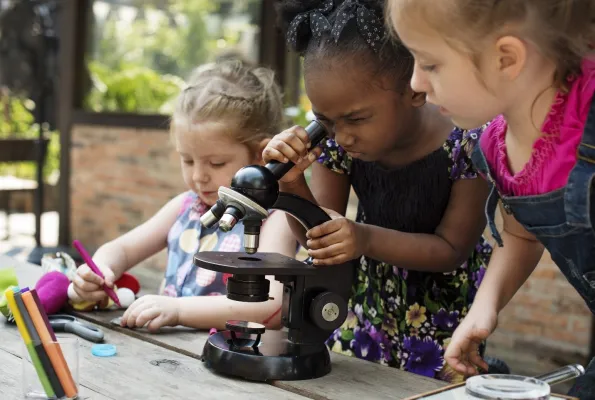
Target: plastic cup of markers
x,y
31,384
506,387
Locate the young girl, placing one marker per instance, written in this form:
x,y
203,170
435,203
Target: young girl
x,y
418,232
530,65
222,122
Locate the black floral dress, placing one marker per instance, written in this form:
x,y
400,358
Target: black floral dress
x,y
399,317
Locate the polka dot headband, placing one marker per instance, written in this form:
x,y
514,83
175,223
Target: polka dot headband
x,y
368,24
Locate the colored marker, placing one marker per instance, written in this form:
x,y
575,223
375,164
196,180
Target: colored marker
x,y
49,342
89,261
46,320
43,378
38,346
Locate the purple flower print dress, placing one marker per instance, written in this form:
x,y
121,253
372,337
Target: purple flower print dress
x,y
399,317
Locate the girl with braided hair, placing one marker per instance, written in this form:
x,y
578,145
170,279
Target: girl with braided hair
x,y
221,123
417,236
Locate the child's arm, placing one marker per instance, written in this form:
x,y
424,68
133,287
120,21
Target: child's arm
x,y
205,312
508,269
119,255
442,251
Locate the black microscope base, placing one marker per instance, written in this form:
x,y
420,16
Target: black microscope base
x,y
275,358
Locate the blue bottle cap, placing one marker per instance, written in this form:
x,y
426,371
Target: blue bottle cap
x,y
103,350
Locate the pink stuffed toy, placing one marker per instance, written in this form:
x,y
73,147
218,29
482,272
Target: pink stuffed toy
x,y
52,289
55,291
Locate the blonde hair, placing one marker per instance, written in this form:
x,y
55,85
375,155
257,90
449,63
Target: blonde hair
x,y
562,30
234,93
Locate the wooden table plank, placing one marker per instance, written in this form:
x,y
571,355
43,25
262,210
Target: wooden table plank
x,y
181,339
350,378
10,379
141,370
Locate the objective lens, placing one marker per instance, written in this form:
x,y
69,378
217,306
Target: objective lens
x,y
208,219
251,243
227,222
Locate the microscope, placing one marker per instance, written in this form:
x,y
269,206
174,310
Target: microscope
x,y
314,301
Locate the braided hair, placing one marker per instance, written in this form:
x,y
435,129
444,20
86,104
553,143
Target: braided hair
x,y
234,92
345,30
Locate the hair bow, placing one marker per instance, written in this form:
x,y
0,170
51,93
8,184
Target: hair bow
x,y
368,24
316,20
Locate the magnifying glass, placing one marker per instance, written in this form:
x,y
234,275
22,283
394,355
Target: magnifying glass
x,y
516,387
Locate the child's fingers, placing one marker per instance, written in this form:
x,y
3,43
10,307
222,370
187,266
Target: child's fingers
x,y
476,360
131,315
82,285
458,366
280,151
97,295
272,154
298,138
156,323
324,229
86,274
326,240
309,160
469,368
109,277
147,316
335,260
327,252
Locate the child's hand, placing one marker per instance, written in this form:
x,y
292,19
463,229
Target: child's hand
x,y
291,145
155,310
462,353
89,286
336,241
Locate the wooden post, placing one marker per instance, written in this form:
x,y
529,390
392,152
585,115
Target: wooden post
x,y
71,20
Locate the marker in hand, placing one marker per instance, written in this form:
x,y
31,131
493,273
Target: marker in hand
x,y
89,261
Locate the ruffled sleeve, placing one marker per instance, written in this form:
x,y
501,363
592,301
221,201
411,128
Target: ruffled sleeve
x,y
334,157
459,146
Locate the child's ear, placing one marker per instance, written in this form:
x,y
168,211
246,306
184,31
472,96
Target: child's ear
x,y
512,56
260,148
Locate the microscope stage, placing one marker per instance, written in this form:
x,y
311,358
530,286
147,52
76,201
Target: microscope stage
x,y
252,264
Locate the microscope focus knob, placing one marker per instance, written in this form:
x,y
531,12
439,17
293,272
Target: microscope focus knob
x,y
328,310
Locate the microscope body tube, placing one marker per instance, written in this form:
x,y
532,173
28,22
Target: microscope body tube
x,y
254,187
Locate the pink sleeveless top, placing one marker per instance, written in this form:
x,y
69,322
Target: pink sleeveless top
x,y
554,154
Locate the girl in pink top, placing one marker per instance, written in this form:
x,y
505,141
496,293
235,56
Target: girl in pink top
x,y
528,64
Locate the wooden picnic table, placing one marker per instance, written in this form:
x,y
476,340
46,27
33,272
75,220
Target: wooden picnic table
x,y
350,378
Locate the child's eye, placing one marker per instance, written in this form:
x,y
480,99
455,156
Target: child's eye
x,y
428,68
188,162
355,120
217,165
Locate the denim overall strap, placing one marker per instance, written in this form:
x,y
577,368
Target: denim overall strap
x,y
481,165
578,189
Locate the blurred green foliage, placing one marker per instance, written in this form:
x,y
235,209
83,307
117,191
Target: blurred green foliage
x,y
16,121
139,65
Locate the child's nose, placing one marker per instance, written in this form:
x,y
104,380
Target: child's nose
x,y
200,175
417,80
343,137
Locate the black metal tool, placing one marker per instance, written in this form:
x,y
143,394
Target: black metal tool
x,y
314,299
